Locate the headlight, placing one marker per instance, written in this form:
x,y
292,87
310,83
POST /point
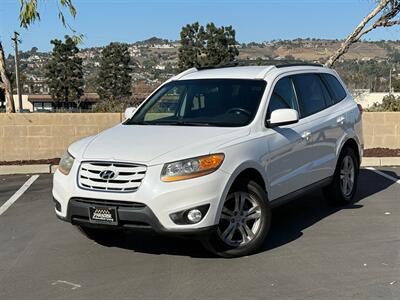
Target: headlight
x,y
66,162
192,167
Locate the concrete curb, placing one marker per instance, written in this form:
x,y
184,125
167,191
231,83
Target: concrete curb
x,y
27,169
380,161
49,169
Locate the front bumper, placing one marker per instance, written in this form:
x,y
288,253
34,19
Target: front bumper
x,y
134,216
152,203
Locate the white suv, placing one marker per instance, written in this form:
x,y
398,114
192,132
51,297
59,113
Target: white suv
x,y
211,151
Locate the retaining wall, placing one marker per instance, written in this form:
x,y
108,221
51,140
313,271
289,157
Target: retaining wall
x,y
46,135
381,129
31,136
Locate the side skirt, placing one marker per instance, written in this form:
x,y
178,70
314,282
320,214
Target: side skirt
x,y
289,197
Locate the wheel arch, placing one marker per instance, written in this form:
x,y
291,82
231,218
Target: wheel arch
x,y
352,144
249,170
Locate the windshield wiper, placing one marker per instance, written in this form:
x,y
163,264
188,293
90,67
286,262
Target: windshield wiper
x,y
179,123
191,123
138,123
182,123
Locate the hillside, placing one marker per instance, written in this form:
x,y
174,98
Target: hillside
x,y
155,59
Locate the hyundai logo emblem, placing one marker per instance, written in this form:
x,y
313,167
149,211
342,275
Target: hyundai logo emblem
x,y
108,174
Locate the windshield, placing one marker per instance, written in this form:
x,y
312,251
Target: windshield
x,y
202,102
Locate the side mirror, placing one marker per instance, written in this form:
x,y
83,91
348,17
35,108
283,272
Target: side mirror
x,y
284,116
129,112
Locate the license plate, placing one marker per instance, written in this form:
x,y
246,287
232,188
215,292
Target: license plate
x,y
103,215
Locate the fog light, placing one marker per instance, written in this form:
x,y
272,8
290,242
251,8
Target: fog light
x,y
190,216
57,204
194,216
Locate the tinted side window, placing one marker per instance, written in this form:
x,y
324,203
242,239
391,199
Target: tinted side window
x,y
283,96
310,93
336,89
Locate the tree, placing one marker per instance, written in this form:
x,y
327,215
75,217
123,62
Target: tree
x,y
141,91
209,46
114,79
290,57
5,84
386,12
192,46
396,85
64,72
220,44
29,13
91,82
34,50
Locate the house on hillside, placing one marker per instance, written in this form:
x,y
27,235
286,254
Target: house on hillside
x,y
45,103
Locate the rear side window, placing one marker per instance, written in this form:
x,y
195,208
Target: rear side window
x,y
311,94
283,96
335,88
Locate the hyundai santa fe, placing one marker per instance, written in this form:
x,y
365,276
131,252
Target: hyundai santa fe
x,y
211,151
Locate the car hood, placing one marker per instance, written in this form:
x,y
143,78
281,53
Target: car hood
x,y
154,144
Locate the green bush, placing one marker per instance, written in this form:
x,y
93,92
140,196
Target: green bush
x,y
389,103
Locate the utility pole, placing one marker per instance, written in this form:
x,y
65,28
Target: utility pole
x,y
17,75
390,82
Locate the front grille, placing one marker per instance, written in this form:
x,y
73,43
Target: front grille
x,y
102,202
128,176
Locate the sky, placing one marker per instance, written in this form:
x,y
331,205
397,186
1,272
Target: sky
x,y
103,21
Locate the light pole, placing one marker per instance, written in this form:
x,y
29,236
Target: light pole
x,y
393,69
17,77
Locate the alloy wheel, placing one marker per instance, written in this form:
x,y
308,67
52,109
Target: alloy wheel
x,y
347,174
240,219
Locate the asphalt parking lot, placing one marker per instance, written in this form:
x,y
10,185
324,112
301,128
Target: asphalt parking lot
x,y
315,251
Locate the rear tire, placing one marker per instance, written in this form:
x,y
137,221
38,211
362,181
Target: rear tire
x,y
344,185
244,222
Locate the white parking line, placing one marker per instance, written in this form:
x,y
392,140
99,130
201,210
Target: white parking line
x,y
18,194
384,175
74,285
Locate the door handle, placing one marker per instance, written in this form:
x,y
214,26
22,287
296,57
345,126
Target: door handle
x,y
306,135
340,120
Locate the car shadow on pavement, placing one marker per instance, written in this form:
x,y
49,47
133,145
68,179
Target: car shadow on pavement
x,y
291,219
152,243
288,222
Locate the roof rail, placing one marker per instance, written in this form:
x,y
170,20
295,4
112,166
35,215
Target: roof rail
x,y
222,65
276,63
184,73
298,65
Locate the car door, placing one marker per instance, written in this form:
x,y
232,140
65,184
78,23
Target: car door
x,y
317,108
289,146
331,127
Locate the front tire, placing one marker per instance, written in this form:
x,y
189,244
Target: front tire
x,y
244,222
344,185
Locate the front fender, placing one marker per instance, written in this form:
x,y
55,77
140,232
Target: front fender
x,y
239,169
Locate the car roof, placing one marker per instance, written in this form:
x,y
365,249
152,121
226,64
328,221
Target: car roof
x,y
253,72
243,72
